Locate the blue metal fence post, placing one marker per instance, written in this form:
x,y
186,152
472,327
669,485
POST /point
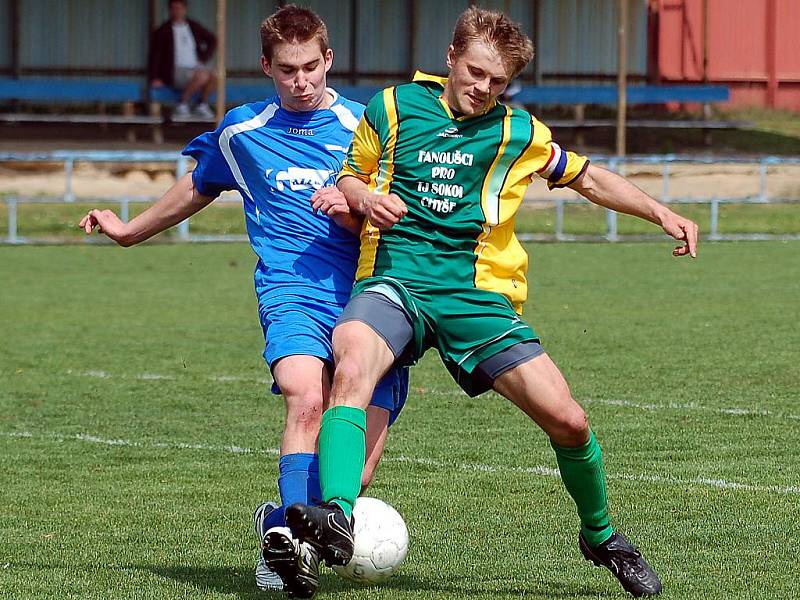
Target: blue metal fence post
x,y
611,226
124,210
559,219
180,170
614,165
69,165
714,234
11,203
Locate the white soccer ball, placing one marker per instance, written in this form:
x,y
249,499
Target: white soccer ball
x,y
380,542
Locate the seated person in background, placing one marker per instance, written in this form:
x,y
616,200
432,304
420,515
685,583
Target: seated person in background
x,y
179,51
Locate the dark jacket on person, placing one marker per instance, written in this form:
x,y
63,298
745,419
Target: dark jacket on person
x,y
161,59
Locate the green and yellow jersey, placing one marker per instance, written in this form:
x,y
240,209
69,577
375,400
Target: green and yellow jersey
x,y
462,179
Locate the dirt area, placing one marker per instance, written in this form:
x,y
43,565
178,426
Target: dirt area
x,y
89,180
700,181
96,180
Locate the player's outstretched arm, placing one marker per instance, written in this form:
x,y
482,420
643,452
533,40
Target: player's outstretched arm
x,y
383,211
608,189
181,201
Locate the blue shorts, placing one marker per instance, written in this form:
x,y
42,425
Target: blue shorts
x,y
301,326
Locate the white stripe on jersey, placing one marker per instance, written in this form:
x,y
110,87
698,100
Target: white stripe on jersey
x,y
335,148
231,130
346,117
553,162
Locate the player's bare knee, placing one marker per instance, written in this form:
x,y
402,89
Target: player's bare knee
x,y
346,345
350,373
304,410
572,428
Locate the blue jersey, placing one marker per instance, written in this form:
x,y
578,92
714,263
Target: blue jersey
x,y
276,159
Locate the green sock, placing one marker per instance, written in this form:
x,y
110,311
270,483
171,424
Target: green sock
x,y
585,479
342,450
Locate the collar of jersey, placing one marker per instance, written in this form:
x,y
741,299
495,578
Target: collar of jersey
x,y
441,81
332,91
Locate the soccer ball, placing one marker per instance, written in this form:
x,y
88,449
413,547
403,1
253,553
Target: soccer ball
x,y
380,542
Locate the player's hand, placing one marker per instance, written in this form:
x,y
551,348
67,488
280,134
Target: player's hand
x,y
156,83
684,230
106,222
384,211
330,201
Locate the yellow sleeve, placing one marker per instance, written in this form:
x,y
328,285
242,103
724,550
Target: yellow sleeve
x,y
364,153
550,161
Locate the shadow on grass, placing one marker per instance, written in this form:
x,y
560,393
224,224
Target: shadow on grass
x,y
228,580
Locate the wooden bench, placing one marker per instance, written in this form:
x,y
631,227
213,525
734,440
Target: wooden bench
x,y
241,93
129,92
607,94
580,96
65,92
235,94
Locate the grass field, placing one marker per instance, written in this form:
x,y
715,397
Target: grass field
x,y
137,433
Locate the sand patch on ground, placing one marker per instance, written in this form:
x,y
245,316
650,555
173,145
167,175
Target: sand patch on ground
x,y
89,180
699,181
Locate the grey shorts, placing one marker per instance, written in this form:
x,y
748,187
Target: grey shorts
x,y
183,76
386,317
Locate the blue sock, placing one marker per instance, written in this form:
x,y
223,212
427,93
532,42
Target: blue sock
x,y
298,482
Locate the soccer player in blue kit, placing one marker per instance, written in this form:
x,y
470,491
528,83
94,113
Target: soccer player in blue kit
x,y
277,153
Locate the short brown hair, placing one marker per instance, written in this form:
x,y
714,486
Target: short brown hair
x,y
292,24
495,30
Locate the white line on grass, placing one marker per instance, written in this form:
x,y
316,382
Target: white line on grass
x,y
98,374
422,461
735,412
154,377
225,378
657,479
85,437
159,376
691,406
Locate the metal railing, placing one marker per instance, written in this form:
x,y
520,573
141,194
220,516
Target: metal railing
x,y
619,165
667,162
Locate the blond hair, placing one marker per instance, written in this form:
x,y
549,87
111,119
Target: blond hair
x,y
497,31
292,24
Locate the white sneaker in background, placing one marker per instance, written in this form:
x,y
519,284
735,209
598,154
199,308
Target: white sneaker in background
x,y
182,110
203,110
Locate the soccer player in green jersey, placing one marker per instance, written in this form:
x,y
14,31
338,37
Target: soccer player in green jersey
x,y
439,168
